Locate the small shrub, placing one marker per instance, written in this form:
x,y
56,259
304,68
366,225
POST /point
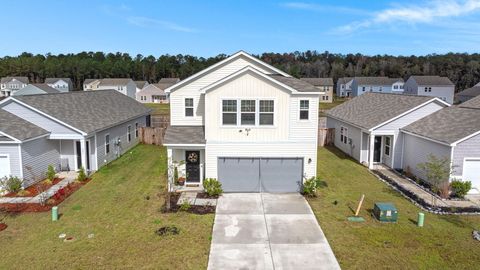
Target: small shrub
x,y
212,187
81,175
460,188
175,175
47,182
310,186
50,202
185,206
23,193
51,173
12,184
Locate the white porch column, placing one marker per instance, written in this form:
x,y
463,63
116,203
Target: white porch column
x,y
371,150
83,153
169,168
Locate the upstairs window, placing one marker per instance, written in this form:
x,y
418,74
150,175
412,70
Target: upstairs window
x,y
229,112
189,107
266,112
304,109
248,112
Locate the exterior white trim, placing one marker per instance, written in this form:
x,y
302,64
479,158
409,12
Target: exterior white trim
x,y
466,138
183,145
9,167
20,158
226,60
423,137
65,137
96,152
409,111
34,138
11,137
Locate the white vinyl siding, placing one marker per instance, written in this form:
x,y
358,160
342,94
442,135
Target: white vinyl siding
x,y
189,107
304,109
303,130
469,148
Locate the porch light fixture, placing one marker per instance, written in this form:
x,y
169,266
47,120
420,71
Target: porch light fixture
x,y
309,160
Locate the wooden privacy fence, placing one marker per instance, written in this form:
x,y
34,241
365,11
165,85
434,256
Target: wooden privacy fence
x,y
160,121
151,135
326,136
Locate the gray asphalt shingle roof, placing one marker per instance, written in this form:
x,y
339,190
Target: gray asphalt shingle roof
x,y
169,80
88,111
87,81
377,80
54,80
21,79
432,80
45,88
114,81
318,81
344,80
448,125
185,135
295,83
140,84
470,92
19,128
473,103
372,109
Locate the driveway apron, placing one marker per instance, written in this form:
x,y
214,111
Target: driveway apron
x,y
268,231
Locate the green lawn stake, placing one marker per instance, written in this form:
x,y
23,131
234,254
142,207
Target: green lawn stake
x,y
54,213
356,218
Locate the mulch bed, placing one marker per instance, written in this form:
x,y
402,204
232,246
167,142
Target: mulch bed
x,y
204,195
55,200
3,226
33,189
194,209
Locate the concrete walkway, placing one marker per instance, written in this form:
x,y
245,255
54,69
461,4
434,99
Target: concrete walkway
x,y
68,177
268,231
425,195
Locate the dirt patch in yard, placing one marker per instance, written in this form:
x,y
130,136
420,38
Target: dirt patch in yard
x,y
204,195
194,209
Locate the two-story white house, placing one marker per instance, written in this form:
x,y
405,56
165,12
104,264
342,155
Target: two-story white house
x,y
433,86
344,87
61,84
246,123
9,85
125,86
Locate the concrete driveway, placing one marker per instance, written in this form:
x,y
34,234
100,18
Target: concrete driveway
x,y
268,231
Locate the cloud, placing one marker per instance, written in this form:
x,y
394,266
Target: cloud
x,y
414,14
155,23
322,8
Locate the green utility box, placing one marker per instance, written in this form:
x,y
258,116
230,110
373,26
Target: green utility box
x,y
385,212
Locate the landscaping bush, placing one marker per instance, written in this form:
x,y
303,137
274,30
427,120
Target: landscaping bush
x,y
23,193
175,175
12,184
460,188
311,186
212,187
51,173
81,175
185,206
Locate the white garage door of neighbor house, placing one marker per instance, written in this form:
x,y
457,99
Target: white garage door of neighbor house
x,y
471,172
4,165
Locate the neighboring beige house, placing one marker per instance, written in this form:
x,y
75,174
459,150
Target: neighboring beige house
x,y
140,85
125,86
154,93
9,85
325,85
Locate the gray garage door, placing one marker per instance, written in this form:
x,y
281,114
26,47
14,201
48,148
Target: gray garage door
x,y
276,175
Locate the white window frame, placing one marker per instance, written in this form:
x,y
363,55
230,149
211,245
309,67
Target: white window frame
x,y
222,112
129,133
188,107
107,143
300,110
344,134
239,112
389,146
255,112
272,113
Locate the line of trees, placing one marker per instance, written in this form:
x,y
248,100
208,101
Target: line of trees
x,y
462,68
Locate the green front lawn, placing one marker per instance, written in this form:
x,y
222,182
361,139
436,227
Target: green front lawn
x,y
114,207
444,243
158,108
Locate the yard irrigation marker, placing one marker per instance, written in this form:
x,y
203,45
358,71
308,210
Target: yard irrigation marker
x,y
356,218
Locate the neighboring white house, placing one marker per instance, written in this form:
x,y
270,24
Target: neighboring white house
x,y
67,130
61,84
368,127
9,85
125,86
361,85
36,89
140,85
325,85
246,123
154,93
433,86
452,133
344,87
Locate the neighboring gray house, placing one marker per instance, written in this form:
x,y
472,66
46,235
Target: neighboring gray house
x,y
344,87
36,89
125,86
468,93
453,133
325,85
9,85
61,84
361,85
140,85
368,127
433,86
67,130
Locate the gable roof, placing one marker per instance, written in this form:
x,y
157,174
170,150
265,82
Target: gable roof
x,y
318,81
299,85
88,111
449,125
114,81
88,81
45,88
344,80
54,80
140,84
21,79
169,80
473,103
432,80
154,88
377,80
372,109
470,92
19,128
224,62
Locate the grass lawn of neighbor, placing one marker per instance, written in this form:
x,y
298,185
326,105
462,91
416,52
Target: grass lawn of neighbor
x,y
444,243
120,206
159,108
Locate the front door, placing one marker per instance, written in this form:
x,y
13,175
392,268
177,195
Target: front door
x,y
192,166
377,149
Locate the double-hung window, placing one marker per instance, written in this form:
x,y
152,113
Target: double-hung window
x,y
304,109
136,130
129,133
229,112
107,144
189,107
266,112
247,112
388,143
344,134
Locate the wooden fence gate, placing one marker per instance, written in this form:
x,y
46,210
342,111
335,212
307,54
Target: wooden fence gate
x,y
151,135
